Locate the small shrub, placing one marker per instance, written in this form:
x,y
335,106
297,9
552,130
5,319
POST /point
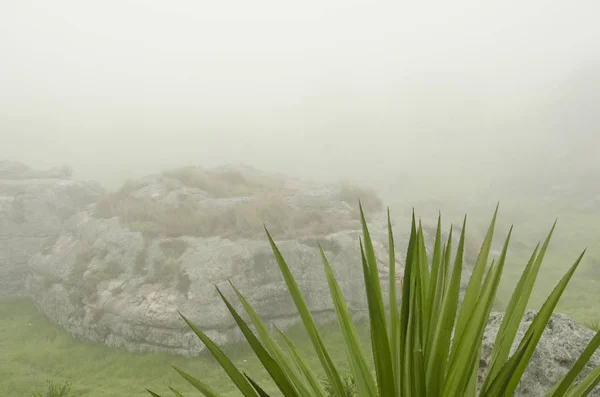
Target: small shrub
x,y
83,253
247,219
105,208
261,261
328,244
183,283
263,202
116,290
49,280
351,193
108,206
97,314
149,234
18,212
222,183
242,220
350,388
103,253
62,389
173,248
140,260
83,257
313,223
87,284
87,288
110,271
165,272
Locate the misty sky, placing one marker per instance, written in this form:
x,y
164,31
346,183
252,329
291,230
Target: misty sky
x,y
327,88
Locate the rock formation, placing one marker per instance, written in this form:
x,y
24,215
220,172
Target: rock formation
x,y
33,206
121,270
560,346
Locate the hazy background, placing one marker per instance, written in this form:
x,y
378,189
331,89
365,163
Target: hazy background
x,y
447,106
326,89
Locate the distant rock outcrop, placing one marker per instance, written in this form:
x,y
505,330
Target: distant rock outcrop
x,y
33,206
14,170
121,270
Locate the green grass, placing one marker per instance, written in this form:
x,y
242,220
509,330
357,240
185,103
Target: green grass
x,y
575,230
34,350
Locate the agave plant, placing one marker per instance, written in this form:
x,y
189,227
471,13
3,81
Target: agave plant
x,y
427,345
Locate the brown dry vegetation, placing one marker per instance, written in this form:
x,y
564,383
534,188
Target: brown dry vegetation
x,y
224,183
173,248
351,193
266,205
109,205
245,219
327,244
165,272
83,256
85,285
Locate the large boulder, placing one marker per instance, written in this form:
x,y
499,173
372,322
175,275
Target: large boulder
x,y
120,271
561,344
33,206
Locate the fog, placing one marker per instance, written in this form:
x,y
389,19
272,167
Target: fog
x,y
323,89
447,107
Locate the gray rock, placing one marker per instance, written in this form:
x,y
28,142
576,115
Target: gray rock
x,y
17,171
108,284
560,346
107,281
33,207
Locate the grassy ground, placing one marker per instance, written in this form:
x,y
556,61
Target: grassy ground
x,y
33,350
532,219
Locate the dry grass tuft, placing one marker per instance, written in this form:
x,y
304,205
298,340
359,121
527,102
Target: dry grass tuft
x,y
173,248
266,204
85,283
351,193
109,205
328,244
223,183
166,272
593,324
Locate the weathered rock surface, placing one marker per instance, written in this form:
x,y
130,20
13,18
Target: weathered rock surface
x,y
120,279
33,206
119,271
560,346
